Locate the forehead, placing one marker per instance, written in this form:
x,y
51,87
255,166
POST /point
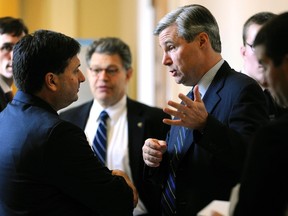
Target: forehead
x,y
74,62
252,31
103,58
9,38
168,35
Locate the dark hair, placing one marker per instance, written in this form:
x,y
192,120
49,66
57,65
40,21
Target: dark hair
x,y
14,26
110,46
37,54
192,20
259,18
273,37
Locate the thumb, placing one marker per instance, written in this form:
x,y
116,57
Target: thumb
x,y
163,145
196,92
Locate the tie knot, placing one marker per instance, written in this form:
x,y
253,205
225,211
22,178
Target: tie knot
x,y
103,115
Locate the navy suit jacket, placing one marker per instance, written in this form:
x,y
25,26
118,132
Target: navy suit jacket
x,y
212,160
48,168
143,122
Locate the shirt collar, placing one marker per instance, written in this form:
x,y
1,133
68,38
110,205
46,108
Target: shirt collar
x,y
206,80
114,111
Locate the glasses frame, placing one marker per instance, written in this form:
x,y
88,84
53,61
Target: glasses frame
x,y
251,46
108,71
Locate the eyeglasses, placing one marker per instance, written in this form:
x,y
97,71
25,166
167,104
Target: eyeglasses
x,y
109,71
251,46
7,48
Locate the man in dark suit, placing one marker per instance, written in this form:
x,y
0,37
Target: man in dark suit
x,y
11,31
130,123
264,187
251,66
46,165
202,158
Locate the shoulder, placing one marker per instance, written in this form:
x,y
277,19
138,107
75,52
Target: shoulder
x,y
76,110
141,108
235,77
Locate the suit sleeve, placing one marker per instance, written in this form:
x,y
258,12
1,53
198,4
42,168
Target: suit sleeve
x,y
72,166
227,138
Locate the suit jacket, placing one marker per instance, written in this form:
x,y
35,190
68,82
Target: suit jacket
x,y
275,111
212,160
264,187
3,101
143,122
48,168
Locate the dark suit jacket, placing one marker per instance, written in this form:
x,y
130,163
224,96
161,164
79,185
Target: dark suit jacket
x,y
3,102
264,187
48,168
143,122
212,161
275,111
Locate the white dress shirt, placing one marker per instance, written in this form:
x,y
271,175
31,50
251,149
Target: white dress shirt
x,y
117,138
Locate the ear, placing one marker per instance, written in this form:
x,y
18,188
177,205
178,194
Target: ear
x,y
51,80
129,73
243,51
203,38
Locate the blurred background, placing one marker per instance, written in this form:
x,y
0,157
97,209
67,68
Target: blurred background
x,y
133,21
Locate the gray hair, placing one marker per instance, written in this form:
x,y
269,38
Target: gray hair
x,y
192,20
110,46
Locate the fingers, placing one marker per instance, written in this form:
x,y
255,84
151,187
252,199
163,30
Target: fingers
x,y
129,182
135,195
152,152
189,113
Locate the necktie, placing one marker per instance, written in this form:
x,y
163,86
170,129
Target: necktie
x,y
100,139
168,200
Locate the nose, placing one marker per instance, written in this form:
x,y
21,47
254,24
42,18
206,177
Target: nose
x,y
10,54
166,59
81,76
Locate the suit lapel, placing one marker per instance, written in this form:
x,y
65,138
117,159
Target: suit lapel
x,y
211,99
82,115
136,125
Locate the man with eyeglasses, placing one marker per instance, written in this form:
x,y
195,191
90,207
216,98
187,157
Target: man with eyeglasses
x,y
129,123
11,31
254,69
251,66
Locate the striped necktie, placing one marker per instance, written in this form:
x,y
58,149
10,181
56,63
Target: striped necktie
x,y
168,200
100,140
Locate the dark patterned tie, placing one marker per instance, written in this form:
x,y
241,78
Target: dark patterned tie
x,y
100,139
168,200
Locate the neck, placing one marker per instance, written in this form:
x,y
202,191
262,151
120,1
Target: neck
x,y
8,81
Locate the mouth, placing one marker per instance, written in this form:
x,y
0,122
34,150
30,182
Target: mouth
x,y
173,72
103,88
9,68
